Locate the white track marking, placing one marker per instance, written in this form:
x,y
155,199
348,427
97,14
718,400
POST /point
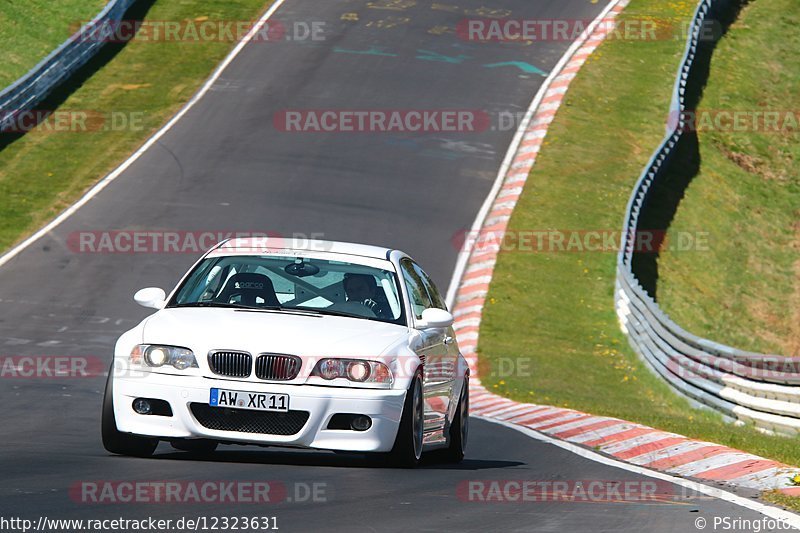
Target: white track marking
x,y
102,184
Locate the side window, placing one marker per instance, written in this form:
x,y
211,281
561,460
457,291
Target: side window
x,y
416,288
436,298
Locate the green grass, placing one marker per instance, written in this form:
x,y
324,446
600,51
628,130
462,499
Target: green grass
x,y
42,173
556,310
746,290
31,29
791,503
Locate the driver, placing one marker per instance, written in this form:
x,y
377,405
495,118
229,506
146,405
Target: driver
x,y
361,288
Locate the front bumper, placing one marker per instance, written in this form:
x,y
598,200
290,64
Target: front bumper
x,y
384,407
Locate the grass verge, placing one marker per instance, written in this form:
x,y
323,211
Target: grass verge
x,y
31,29
555,311
746,290
43,172
778,498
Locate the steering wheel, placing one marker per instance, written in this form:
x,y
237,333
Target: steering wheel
x,y
375,307
355,308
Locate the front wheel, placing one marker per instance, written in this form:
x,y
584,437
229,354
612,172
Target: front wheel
x,y
407,448
116,441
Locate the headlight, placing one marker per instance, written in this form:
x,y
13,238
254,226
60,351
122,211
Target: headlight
x,y
355,370
156,356
358,371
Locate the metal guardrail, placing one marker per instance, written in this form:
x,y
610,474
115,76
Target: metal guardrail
x,y
60,64
744,386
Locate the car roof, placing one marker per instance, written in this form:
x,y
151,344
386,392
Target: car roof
x,y
238,245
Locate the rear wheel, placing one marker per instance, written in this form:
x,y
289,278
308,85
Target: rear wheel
x,y
459,430
116,441
407,448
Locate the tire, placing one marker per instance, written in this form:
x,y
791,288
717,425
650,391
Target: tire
x,y
116,441
198,446
407,448
459,429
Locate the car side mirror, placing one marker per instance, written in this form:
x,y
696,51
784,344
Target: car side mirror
x,y
433,318
152,297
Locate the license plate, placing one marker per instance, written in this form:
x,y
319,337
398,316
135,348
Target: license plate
x,y
256,401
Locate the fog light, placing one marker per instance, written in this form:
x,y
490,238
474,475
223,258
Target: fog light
x,y
142,406
361,423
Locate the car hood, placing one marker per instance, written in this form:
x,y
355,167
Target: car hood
x,y
205,329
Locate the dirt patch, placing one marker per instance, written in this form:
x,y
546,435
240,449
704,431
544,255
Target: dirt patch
x,y
756,166
748,163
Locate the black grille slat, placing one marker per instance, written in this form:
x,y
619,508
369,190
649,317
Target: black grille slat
x,y
231,364
245,421
277,367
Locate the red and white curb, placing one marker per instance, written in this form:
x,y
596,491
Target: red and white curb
x,y
633,443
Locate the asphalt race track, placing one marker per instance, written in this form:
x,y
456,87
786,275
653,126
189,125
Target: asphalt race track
x,y
226,167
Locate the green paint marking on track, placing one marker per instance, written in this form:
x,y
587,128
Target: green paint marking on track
x,y
523,66
427,55
372,51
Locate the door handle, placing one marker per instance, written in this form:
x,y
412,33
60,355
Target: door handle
x,y
448,340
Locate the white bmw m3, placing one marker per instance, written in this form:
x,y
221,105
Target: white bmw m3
x,y
330,346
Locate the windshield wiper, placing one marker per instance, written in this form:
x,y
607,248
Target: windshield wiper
x,y
298,311
326,312
271,308
228,306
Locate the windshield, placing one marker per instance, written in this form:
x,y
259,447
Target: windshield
x,y
284,283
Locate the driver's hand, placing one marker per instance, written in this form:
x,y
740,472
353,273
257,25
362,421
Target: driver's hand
x,y
376,308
